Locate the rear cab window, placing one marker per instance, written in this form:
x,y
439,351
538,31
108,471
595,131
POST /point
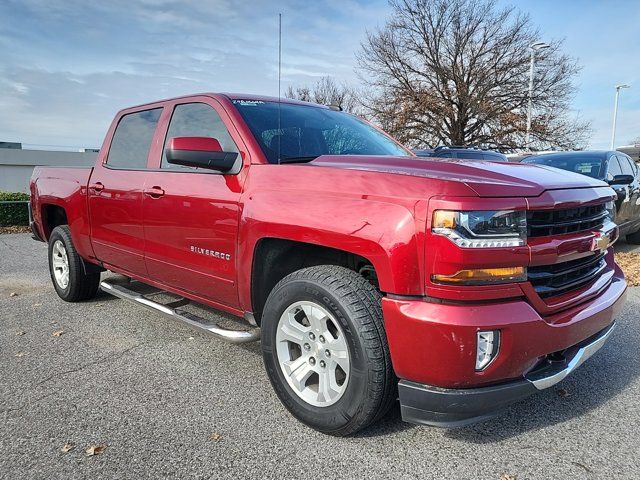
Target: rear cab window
x,y
132,139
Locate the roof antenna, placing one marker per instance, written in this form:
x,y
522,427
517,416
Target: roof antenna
x,y
279,77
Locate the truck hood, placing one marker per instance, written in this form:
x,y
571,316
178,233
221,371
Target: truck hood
x,y
486,179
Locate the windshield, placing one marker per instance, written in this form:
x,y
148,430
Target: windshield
x,y
305,132
586,165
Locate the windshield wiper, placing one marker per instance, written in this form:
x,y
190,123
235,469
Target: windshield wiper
x,y
298,159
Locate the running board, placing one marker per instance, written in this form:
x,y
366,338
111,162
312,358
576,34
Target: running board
x,y
171,310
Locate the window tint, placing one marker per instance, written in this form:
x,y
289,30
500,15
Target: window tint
x,y
289,132
132,139
197,120
626,164
614,168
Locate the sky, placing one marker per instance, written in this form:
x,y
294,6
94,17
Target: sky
x,y
66,67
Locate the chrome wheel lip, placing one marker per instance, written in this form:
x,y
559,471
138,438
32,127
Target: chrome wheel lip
x,y
320,353
60,264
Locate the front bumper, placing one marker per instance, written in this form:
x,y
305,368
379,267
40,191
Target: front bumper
x,y
433,350
424,404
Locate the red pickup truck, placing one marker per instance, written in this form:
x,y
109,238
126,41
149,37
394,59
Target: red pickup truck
x,y
369,274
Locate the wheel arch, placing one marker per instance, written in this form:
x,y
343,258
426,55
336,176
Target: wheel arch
x,y
275,258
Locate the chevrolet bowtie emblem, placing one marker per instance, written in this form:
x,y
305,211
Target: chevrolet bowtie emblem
x,y
601,241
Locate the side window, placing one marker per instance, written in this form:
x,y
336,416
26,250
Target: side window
x,y
132,139
197,120
627,167
614,168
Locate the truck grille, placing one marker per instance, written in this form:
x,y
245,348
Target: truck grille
x,y
543,223
551,280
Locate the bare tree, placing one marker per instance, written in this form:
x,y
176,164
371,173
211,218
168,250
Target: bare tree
x,y
327,91
457,72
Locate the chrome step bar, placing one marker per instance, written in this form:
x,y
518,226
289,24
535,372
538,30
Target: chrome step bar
x,y
171,309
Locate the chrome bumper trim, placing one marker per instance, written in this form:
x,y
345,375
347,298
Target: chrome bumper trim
x,y
578,357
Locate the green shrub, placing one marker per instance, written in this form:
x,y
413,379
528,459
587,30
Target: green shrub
x,y
12,214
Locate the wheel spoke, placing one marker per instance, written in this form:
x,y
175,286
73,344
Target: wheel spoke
x,y
292,331
340,359
337,344
300,375
315,316
327,390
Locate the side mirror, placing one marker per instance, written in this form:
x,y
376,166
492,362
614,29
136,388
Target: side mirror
x,y
621,180
201,152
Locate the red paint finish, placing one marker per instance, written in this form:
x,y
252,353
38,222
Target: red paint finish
x,y
194,233
198,144
435,344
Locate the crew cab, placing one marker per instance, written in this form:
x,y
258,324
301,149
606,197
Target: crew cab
x,y
367,273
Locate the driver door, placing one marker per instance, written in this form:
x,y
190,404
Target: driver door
x,y
191,215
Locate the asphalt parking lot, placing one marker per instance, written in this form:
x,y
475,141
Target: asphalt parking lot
x,y
171,403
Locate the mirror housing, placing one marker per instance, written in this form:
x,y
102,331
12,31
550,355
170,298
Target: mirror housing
x,y
621,180
200,152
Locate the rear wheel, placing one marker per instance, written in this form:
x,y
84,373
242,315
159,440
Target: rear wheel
x,y
325,349
68,274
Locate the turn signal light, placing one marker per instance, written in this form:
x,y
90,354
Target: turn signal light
x,y
483,276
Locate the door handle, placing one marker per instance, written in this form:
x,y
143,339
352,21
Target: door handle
x,y
97,187
154,192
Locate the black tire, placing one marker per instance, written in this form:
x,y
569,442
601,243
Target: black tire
x,y
81,285
633,238
356,305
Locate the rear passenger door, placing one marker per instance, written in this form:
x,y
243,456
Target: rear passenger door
x,y
115,193
191,228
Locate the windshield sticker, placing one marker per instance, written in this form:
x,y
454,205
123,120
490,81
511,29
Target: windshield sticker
x,y
247,103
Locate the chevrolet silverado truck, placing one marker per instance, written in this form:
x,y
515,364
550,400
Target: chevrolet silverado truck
x,y
368,274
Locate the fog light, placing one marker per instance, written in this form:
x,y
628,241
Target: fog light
x,y
487,348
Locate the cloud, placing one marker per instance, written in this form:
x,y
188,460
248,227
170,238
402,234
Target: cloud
x,y
67,67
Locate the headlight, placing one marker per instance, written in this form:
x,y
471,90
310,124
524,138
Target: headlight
x,y
611,210
482,229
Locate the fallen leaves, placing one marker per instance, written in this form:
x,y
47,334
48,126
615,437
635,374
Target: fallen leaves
x,y
563,393
57,333
95,450
215,436
13,294
20,333
506,476
630,265
67,447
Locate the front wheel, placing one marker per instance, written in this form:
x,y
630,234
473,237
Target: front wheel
x,y
71,281
325,349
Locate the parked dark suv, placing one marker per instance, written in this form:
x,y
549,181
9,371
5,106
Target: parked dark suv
x,y
463,153
615,168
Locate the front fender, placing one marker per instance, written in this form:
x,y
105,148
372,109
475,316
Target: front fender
x,y
385,233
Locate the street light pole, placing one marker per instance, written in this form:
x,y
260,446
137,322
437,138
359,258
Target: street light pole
x,y
534,47
615,114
